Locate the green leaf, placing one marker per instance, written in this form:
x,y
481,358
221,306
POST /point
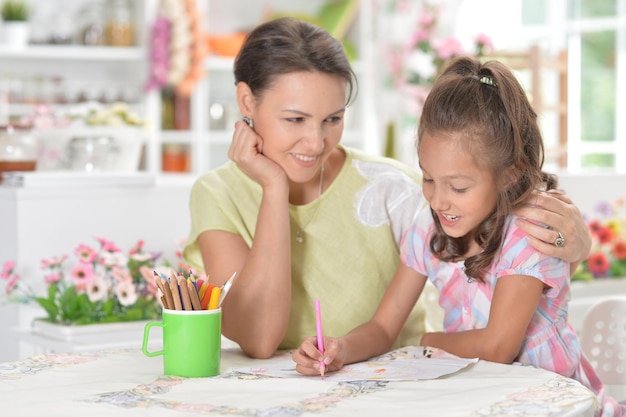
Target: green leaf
x,y
50,306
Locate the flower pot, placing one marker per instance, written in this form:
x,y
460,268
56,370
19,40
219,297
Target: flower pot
x,y
123,334
15,35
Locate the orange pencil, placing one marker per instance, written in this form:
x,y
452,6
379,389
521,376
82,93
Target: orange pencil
x,y
206,296
215,298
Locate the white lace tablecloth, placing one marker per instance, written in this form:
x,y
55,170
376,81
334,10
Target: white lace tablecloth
x,y
125,383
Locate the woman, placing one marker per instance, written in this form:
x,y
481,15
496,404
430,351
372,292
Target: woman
x,y
299,217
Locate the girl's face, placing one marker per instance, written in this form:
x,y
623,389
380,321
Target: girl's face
x,y
460,192
300,118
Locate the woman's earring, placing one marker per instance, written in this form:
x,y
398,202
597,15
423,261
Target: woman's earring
x,y
248,121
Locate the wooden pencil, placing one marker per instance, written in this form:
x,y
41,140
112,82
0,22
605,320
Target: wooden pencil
x,y
159,284
168,293
184,293
175,294
193,294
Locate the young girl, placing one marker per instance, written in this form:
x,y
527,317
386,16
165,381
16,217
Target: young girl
x,y
481,154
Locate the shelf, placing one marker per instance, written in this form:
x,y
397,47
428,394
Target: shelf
x,y
76,52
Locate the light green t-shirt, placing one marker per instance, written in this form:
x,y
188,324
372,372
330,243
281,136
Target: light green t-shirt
x,y
351,237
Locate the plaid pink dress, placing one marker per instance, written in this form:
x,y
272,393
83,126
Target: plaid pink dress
x,y
550,342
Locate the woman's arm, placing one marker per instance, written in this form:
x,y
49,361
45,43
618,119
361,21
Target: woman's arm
x,y
515,300
559,212
256,312
372,338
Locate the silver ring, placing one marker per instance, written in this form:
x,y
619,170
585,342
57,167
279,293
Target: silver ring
x,y
559,242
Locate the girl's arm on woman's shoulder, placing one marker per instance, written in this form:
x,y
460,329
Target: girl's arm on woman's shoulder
x,y
514,302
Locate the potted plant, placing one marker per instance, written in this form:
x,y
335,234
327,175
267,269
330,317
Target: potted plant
x,y
15,26
101,289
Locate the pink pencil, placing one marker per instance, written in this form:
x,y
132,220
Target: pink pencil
x,y
320,337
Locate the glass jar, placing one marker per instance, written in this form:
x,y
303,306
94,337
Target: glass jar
x,y
119,27
18,149
91,23
92,153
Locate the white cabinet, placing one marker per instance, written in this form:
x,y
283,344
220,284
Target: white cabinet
x,y
121,72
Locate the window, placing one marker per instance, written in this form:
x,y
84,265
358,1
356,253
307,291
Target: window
x,y
593,34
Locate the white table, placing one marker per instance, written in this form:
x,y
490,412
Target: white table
x,y
125,383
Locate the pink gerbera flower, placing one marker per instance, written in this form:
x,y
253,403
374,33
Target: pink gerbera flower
x,y
52,278
7,269
126,293
53,262
82,273
85,253
98,289
137,248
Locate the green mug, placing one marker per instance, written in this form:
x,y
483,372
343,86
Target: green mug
x,y
192,342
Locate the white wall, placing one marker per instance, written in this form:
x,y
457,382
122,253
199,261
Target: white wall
x,y
590,189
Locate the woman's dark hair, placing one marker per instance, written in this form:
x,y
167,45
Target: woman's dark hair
x,y
486,104
287,45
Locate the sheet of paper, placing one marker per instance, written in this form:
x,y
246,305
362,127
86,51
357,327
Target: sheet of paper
x,y
409,363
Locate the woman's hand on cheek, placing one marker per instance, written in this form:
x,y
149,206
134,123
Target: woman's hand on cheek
x,y
246,150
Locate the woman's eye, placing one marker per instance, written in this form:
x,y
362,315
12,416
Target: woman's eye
x,y
334,119
459,190
295,119
427,180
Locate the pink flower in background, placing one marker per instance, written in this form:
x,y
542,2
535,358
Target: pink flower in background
x,y
126,293
85,253
427,20
52,278
448,48
53,262
99,285
12,283
148,275
7,269
483,40
98,289
426,54
121,275
112,259
82,273
136,249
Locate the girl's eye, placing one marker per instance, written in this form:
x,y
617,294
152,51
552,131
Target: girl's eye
x,y
459,190
334,119
426,180
295,119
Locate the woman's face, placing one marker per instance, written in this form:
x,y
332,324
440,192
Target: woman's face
x,y
300,118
